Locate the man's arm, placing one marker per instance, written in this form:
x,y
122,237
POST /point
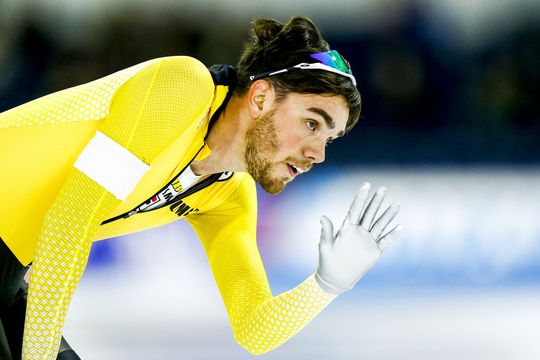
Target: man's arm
x,y
61,255
260,321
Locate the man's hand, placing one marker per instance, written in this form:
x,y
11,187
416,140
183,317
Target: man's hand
x,y
346,256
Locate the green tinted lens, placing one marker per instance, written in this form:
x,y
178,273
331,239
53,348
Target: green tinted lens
x,y
334,59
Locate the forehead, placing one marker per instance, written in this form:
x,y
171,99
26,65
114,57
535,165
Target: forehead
x,y
318,106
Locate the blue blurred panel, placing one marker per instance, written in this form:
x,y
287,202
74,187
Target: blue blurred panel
x,y
103,253
465,226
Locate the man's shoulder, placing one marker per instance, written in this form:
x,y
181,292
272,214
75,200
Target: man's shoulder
x,y
170,74
182,84
186,68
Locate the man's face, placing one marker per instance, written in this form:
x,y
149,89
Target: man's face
x,y
289,138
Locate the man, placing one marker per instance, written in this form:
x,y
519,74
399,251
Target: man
x,y
170,139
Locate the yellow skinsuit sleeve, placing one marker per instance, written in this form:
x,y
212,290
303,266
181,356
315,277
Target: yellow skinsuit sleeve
x,y
260,322
156,97
61,255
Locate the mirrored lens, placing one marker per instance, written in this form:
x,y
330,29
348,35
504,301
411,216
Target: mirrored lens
x,y
334,59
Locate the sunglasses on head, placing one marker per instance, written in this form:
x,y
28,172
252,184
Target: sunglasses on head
x,y
331,61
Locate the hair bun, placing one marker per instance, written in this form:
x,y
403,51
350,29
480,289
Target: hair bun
x,y
264,30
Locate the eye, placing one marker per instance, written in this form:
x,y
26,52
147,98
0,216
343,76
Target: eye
x,y
312,125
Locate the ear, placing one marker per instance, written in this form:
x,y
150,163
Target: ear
x,y
261,97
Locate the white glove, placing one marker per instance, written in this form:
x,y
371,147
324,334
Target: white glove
x,y
347,256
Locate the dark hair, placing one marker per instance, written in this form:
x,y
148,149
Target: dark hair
x,y
274,46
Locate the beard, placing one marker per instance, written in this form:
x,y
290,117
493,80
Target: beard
x,y
261,147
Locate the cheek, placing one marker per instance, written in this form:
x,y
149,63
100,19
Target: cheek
x,y
291,143
290,135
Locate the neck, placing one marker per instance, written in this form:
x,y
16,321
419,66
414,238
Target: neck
x,y
226,141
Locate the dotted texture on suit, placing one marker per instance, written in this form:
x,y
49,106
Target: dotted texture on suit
x,y
61,256
85,102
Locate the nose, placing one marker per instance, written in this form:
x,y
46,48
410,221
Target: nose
x,y
316,151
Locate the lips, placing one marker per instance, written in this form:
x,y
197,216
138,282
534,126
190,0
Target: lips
x,y
292,170
295,169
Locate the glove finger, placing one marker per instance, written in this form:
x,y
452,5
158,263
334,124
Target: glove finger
x,y
380,225
357,207
372,208
327,232
389,238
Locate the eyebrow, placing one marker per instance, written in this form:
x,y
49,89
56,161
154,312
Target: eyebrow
x,y
327,118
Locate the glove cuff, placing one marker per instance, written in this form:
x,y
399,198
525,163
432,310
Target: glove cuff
x,y
329,288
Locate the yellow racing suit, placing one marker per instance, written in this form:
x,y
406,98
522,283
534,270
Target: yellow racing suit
x,y
160,111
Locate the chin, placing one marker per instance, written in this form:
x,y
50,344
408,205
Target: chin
x,y
274,191
268,178
272,186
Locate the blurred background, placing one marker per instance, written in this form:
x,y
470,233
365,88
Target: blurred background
x,y
450,124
